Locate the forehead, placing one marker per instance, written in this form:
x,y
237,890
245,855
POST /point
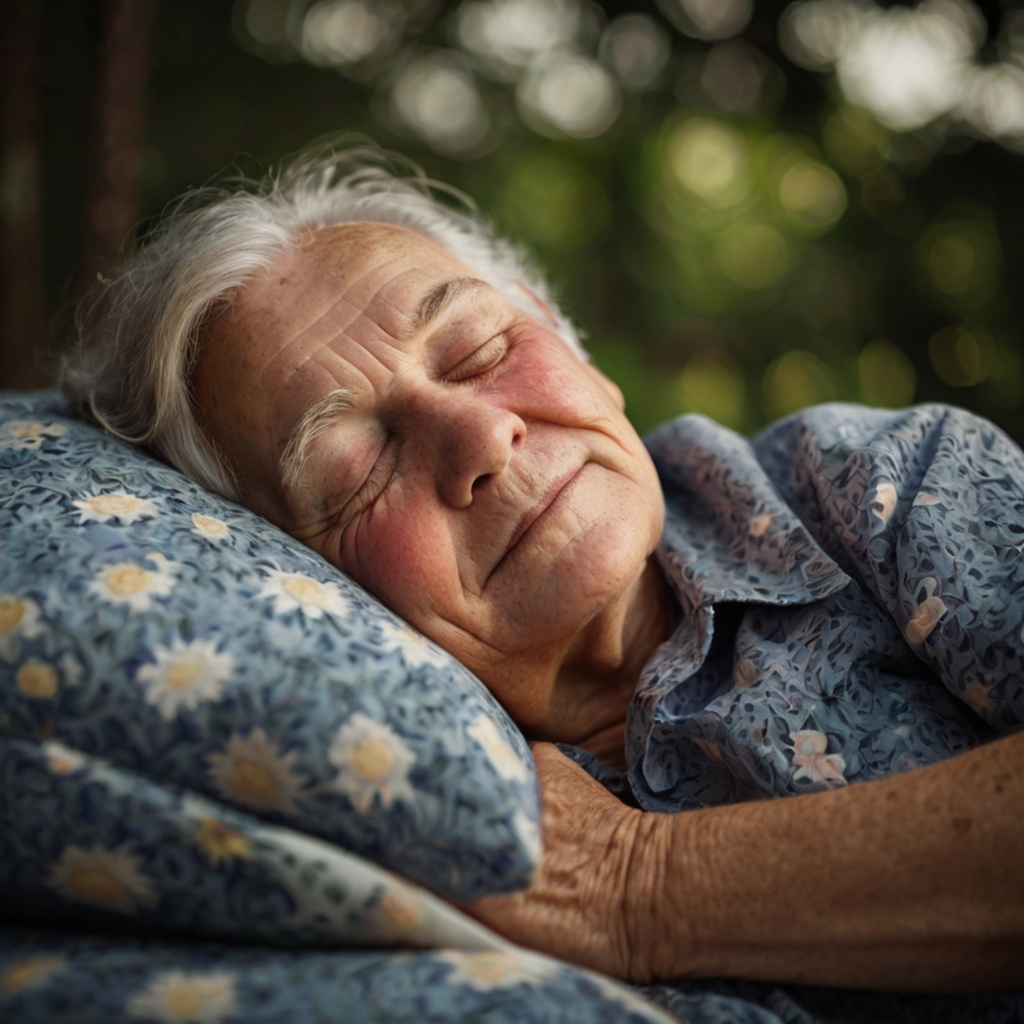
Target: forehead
x,y
266,357
347,270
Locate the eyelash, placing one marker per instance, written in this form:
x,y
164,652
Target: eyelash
x,y
482,361
490,354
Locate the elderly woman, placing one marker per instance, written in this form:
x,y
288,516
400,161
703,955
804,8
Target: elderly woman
x,y
376,373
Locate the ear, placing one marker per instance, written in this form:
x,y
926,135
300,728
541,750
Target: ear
x,y
545,311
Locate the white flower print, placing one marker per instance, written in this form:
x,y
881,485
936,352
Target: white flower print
x,y
499,751
253,773
373,760
416,650
885,501
19,616
30,971
294,590
110,878
63,760
37,680
210,527
491,969
185,674
759,525
177,997
27,435
120,505
133,584
811,761
925,618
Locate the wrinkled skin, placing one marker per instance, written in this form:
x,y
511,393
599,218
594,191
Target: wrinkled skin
x,y
483,481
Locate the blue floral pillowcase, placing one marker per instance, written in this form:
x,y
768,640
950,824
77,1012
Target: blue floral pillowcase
x,y
156,632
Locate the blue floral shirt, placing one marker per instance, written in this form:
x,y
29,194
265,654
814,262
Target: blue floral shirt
x,y
852,591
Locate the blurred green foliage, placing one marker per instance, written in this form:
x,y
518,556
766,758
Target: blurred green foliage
x,y
741,257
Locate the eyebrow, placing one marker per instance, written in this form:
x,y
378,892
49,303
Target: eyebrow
x,y
320,417
441,297
314,423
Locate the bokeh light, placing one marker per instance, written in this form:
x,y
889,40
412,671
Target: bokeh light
x,y
754,256
912,67
709,159
812,195
346,33
794,381
436,97
636,48
708,19
886,375
568,95
962,358
711,383
509,35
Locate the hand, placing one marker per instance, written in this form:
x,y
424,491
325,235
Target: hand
x,y
599,861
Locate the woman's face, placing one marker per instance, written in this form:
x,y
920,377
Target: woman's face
x,y
473,473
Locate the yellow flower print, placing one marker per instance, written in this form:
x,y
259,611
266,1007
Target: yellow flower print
x,y
254,774
28,972
210,527
220,843
499,751
400,908
416,650
373,760
37,680
493,969
19,616
177,997
120,505
294,590
133,584
184,674
110,878
27,435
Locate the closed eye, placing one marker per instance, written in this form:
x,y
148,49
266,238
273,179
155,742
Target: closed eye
x,y
373,486
485,358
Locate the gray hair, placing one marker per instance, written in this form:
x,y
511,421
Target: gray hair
x,y
139,331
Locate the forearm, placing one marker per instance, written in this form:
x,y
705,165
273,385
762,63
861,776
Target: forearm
x,y
913,883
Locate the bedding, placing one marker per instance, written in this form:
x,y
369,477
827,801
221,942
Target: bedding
x,y
228,774
172,633
207,733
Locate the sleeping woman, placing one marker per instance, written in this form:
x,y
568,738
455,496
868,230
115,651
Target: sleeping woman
x,y
700,621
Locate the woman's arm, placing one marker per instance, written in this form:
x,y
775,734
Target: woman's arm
x,y
910,883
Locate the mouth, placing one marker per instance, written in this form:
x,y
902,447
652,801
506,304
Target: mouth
x,y
532,515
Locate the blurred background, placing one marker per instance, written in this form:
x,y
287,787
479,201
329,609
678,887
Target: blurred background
x,y
747,208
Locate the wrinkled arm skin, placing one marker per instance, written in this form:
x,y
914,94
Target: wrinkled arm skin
x,y
913,883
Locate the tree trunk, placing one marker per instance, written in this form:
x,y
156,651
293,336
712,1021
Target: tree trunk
x,y
22,302
112,187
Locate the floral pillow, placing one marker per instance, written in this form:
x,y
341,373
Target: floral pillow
x,y
168,631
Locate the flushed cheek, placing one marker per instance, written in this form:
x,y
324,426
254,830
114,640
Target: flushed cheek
x,y
404,557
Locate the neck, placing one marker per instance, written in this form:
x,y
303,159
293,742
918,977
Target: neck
x,y
597,679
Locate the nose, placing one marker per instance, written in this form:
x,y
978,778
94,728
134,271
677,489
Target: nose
x,y
465,440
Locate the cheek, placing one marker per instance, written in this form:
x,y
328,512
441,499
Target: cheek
x,y
556,385
402,554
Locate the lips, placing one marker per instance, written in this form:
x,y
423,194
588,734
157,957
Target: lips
x,y
533,514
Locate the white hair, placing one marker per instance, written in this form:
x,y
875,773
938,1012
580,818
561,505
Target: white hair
x,y
139,331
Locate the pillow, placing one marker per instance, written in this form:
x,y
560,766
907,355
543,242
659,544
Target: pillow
x,y
168,631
